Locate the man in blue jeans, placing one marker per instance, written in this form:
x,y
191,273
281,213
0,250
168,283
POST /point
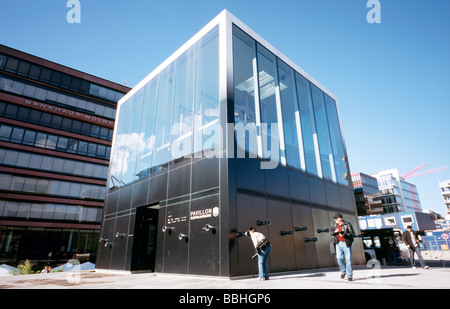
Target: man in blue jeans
x,y
262,249
343,233
411,241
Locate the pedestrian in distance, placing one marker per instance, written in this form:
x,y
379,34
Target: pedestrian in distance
x,y
262,250
47,269
412,242
343,233
392,250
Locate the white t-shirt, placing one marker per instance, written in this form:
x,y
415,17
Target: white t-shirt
x,y
256,238
413,239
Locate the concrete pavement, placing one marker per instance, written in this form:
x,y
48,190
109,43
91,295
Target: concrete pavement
x,y
385,277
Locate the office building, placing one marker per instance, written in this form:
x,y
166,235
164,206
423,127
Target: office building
x,y
367,194
56,127
397,195
227,133
445,191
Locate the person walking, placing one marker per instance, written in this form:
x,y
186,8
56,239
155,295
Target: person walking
x,y
262,249
343,233
411,241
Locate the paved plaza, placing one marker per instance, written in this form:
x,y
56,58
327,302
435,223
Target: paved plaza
x,y
386,277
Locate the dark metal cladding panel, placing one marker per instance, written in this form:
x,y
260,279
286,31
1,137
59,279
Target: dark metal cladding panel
x,y
140,192
250,209
157,190
120,245
305,252
111,202
347,199
277,181
282,257
333,195
322,222
175,259
179,181
298,186
204,251
317,191
104,255
205,174
249,175
125,195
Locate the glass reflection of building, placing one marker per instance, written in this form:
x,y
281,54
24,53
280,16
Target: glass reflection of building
x,y
367,195
187,163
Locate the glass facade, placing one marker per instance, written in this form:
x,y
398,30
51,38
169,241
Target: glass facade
x,y
180,197
281,108
174,116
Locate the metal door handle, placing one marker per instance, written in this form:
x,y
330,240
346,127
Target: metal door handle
x,y
323,230
259,222
311,239
300,229
291,232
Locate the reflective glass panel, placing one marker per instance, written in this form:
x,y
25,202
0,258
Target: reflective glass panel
x,y
291,117
326,155
145,152
270,107
164,119
340,159
245,110
183,106
308,126
206,109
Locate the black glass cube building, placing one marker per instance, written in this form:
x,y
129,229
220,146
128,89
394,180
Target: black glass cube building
x,y
227,133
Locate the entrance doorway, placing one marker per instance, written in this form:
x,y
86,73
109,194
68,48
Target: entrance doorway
x,y
145,236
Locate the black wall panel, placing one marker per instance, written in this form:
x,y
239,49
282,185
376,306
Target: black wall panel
x,y
333,195
175,253
204,250
277,181
205,174
283,252
125,198
250,209
179,181
120,245
298,186
140,192
322,224
317,191
157,189
111,201
347,199
249,175
305,251
105,250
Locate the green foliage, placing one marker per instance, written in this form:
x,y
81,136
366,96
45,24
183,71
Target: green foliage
x,y
25,268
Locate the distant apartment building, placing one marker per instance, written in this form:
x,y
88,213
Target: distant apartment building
x,y
367,194
445,191
397,195
56,128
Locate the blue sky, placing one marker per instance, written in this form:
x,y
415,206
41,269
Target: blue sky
x,y
392,79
